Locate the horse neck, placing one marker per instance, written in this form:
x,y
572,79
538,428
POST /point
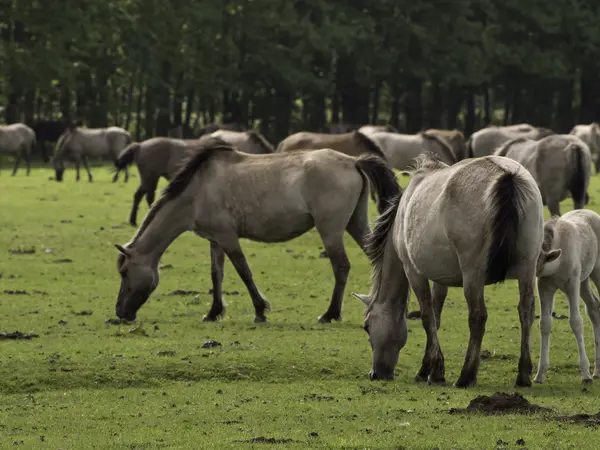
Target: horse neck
x,y
170,221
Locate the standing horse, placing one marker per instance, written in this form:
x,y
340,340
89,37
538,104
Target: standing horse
x,y
245,141
81,143
352,144
402,149
570,256
560,164
472,224
224,195
156,157
485,141
48,131
212,127
590,134
18,140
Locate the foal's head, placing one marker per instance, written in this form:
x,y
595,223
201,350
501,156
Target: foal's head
x,y
138,280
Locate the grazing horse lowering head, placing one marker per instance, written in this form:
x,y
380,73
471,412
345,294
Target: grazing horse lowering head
x,y
59,153
138,281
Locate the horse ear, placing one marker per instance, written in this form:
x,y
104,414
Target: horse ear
x,y
363,298
123,250
553,255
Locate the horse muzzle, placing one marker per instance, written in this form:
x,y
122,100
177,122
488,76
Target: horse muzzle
x,y
377,375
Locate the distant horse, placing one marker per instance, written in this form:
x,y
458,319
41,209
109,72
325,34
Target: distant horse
x,y
455,138
245,141
487,140
370,129
472,224
590,134
560,164
48,131
352,144
224,195
212,127
80,143
569,258
17,140
402,149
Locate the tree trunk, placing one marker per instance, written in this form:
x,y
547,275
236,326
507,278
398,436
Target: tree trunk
x,y
589,108
189,108
454,101
470,113
414,105
564,111
376,101
163,97
129,103
487,107
435,107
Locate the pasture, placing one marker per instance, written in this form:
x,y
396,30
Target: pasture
x,y
290,383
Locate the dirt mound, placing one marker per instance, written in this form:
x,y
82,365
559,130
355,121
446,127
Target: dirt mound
x,y
590,420
500,403
17,335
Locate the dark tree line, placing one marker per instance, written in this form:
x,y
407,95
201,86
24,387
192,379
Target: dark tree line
x,y
284,66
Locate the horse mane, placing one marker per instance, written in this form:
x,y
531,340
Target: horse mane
x,y
429,160
259,139
198,158
446,148
375,245
503,149
371,146
549,232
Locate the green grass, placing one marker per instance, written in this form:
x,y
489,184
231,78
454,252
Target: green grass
x,y
85,384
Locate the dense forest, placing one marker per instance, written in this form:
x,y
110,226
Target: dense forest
x,y
288,65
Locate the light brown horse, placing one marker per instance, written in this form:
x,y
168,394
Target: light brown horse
x,y
246,141
223,195
17,140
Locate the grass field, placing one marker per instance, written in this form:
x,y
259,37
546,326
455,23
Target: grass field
x,y
291,383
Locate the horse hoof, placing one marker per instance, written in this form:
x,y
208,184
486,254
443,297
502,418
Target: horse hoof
x,y
523,382
587,382
437,381
420,379
539,381
463,384
260,319
596,376
208,318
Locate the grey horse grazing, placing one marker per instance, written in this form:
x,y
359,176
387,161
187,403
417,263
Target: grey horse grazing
x,y
402,149
485,141
472,224
155,158
80,143
560,164
224,195
18,140
590,134
569,258
245,141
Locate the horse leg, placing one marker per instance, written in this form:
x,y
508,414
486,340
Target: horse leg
x,y
576,321
334,246
126,174
234,252
17,162
85,164
217,263
526,316
439,292
592,307
137,198
473,289
27,158
77,167
546,292
116,176
358,225
432,366
554,207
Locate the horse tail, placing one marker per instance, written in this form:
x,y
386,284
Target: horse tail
x,y
505,198
578,182
127,156
382,179
369,144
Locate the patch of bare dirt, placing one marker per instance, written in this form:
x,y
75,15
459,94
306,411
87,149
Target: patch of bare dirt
x,y
22,251
211,344
267,440
17,335
182,292
62,261
500,403
15,292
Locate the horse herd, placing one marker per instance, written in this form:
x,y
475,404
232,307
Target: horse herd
x,y
471,216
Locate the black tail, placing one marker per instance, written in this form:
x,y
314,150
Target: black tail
x,y
469,148
382,178
505,227
578,182
127,156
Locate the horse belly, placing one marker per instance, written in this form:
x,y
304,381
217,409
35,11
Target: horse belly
x,y
276,227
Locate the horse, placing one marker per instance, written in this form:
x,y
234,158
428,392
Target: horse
x,y
485,141
590,134
212,127
469,225
18,140
246,141
48,131
402,149
569,258
455,138
370,129
79,143
223,195
156,157
559,163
